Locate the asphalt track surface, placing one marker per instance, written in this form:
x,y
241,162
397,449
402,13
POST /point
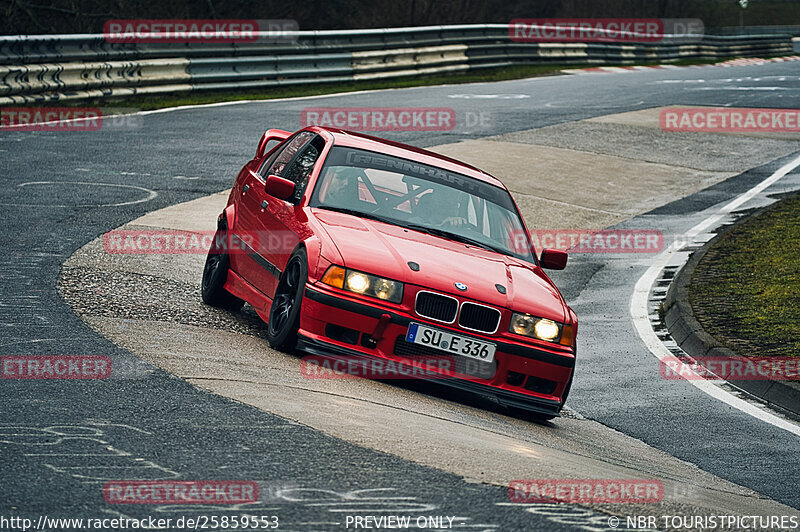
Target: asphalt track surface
x,y
60,439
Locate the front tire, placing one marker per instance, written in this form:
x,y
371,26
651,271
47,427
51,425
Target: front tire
x,y
284,315
215,273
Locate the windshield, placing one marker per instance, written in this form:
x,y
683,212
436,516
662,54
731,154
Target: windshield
x,y
421,197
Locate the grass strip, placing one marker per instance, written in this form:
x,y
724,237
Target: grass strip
x,y
745,291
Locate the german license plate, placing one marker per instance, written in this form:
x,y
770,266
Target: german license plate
x,y
450,343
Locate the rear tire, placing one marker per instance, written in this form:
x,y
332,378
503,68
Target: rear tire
x,y
215,273
284,315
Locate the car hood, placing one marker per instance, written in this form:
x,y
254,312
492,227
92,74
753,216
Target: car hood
x,y
384,249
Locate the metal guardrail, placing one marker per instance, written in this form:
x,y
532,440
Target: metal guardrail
x,y
757,30
72,67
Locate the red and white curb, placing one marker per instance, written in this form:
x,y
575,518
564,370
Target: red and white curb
x,y
757,61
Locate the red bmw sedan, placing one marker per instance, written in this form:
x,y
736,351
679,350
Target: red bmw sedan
x,y
351,245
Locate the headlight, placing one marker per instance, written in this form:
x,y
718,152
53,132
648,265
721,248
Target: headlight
x,y
542,328
546,329
357,282
386,289
364,283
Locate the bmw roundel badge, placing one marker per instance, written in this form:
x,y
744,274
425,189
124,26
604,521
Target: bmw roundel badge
x,y
461,286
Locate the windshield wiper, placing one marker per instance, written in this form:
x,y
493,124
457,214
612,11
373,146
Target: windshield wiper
x,y
455,236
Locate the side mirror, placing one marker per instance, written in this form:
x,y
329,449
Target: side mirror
x,y
553,259
268,136
279,187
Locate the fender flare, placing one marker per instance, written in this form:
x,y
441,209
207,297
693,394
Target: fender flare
x,y
574,318
313,248
227,219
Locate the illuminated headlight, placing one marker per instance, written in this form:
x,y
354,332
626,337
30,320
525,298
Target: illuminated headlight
x,y
357,282
542,328
364,283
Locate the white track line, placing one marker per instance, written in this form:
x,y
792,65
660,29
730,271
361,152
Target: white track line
x,y
641,292
27,127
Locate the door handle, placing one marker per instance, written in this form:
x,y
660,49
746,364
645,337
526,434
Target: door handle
x,y
264,205
245,189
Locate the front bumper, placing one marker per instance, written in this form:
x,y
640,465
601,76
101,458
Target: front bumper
x,y
521,375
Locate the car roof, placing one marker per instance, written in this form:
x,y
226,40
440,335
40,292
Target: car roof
x,y
352,139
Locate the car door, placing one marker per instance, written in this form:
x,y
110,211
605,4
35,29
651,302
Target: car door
x,y
267,225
